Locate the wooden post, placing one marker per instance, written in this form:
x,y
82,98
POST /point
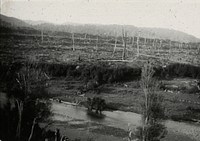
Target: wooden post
x,y
144,45
85,38
126,45
124,36
170,47
160,47
153,42
153,46
145,41
123,44
160,43
97,44
199,49
73,41
132,44
180,46
115,46
42,35
138,49
189,47
89,39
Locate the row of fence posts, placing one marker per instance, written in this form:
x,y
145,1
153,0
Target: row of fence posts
x,y
124,44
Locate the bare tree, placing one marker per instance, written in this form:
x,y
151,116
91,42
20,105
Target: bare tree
x,y
73,42
24,89
153,112
138,48
124,39
26,77
97,41
114,46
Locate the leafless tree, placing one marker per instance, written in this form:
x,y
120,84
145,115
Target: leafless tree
x,y
153,111
26,77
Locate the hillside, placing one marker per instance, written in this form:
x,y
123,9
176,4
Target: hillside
x,y
107,30
12,22
113,30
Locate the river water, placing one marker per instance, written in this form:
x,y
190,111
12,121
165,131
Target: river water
x,y
119,119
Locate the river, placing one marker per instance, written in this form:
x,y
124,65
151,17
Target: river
x,y
119,119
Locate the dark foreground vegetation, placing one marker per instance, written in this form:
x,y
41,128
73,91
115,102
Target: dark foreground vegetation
x,y
105,73
23,104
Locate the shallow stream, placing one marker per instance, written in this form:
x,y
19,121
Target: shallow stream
x,y
119,119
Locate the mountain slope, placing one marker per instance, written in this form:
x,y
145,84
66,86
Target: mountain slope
x,y
97,29
34,22
169,34
116,30
10,21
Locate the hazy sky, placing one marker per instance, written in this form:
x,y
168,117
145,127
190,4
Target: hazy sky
x,y
183,15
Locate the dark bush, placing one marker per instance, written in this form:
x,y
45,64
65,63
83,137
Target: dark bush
x,y
102,72
105,73
178,70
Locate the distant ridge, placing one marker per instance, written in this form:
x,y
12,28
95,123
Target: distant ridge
x,y
98,29
12,22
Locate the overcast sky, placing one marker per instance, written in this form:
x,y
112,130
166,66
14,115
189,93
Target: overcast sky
x,y
183,15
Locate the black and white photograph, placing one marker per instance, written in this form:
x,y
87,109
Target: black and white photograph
x,y
99,70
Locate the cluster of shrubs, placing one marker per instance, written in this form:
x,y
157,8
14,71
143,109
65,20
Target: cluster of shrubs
x,y
178,70
97,104
102,72
105,73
